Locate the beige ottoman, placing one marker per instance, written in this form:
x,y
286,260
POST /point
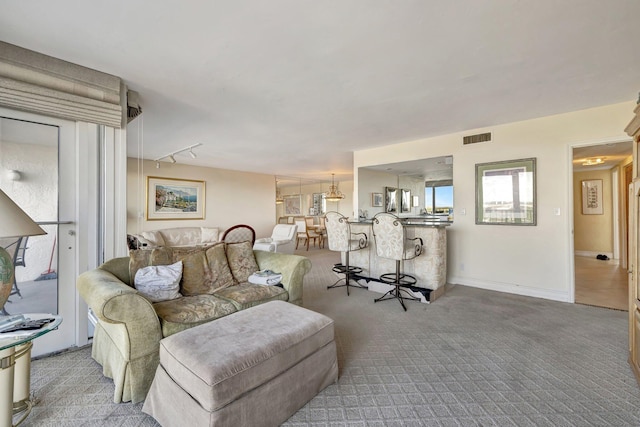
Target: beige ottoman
x,y
256,367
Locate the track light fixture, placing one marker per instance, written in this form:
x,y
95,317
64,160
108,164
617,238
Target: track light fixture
x,y
171,156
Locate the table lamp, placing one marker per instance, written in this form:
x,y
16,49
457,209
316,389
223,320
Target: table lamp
x,y
14,222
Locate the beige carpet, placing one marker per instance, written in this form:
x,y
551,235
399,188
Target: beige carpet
x,y
471,358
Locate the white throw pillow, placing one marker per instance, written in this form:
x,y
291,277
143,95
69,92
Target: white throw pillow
x,y
209,235
159,282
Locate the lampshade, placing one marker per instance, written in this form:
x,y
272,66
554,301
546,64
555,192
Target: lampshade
x,y
14,222
333,195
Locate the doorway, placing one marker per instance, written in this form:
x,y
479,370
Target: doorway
x,y
600,220
37,159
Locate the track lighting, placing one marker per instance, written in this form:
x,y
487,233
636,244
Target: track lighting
x,y
171,156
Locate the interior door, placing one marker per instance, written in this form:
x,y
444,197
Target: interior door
x,y
41,153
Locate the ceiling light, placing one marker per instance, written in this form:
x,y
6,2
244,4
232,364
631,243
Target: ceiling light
x,y
593,161
333,195
171,156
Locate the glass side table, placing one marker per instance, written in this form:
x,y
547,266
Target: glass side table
x,y
15,369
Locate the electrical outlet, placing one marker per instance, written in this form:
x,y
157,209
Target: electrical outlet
x,y
556,211
463,211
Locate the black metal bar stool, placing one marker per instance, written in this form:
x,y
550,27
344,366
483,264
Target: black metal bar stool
x,y
341,239
392,243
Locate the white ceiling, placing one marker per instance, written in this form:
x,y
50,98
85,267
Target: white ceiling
x,y
293,87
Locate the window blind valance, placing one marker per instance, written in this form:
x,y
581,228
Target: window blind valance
x,y
35,82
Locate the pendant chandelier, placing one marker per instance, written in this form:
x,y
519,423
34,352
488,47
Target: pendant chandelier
x,y
279,198
333,195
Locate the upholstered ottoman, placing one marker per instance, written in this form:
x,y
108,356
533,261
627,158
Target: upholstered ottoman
x,y
256,367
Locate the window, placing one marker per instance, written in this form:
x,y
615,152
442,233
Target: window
x,y
438,198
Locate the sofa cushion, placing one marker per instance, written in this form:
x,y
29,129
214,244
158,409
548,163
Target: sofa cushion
x,y
181,236
159,282
209,235
152,238
241,260
183,313
139,258
248,295
220,272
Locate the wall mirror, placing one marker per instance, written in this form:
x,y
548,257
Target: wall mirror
x,y
416,188
506,192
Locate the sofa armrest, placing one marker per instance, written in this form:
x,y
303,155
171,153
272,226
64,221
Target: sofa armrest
x,y
292,267
124,314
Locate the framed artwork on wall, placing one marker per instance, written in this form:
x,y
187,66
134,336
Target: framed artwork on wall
x,y
171,199
506,192
592,197
391,199
376,200
293,204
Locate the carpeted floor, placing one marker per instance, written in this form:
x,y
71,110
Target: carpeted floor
x,y
471,358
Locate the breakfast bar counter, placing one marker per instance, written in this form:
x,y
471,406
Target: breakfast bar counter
x,y
429,269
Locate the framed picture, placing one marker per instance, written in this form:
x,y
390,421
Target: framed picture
x,y
293,204
376,200
506,192
391,199
405,200
592,197
171,199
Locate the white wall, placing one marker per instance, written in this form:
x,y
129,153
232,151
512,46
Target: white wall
x,y
232,197
528,260
37,194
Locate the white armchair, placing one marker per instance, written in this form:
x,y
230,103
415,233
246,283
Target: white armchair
x,y
282,239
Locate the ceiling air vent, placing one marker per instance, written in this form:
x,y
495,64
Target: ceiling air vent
x,y
474,139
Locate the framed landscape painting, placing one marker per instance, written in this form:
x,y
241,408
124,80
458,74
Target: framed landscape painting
x,y
171,199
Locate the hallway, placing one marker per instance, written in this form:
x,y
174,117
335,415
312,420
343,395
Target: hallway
x,y
601,283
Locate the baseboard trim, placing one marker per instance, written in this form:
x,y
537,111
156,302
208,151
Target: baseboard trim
x,y
511,288
591,254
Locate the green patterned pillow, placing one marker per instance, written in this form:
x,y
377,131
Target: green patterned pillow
x,y
220,271
196,275
241,260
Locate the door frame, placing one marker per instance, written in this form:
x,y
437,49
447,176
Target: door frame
x,y
65,335
571,261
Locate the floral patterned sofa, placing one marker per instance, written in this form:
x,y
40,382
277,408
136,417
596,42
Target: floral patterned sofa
x,y
214,284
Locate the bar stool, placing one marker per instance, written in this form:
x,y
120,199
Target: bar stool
x,y
341,239
392,243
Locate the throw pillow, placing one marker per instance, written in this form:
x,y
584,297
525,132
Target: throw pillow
x,y
159,282
220,272
241,260
196,275
208,235
140,258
